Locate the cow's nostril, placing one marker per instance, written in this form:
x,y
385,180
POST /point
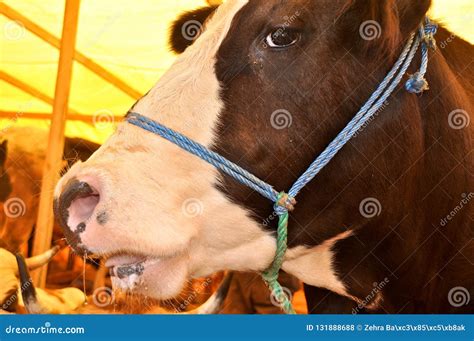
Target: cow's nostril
x,y
81,210
74,208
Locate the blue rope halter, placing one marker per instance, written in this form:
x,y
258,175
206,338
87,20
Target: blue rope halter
x,y
284,202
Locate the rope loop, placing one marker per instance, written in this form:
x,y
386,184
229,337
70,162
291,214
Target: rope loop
x,y
417,82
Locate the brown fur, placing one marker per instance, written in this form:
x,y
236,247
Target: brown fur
x,y
409,158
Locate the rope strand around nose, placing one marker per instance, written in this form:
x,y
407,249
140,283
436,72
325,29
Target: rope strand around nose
x,y
285,202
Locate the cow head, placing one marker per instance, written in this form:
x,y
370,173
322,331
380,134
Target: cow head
x,y
267,84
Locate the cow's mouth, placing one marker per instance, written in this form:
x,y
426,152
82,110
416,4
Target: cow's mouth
x,y
123,265
160,277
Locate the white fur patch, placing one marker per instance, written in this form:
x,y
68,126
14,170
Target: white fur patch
x,y
314,266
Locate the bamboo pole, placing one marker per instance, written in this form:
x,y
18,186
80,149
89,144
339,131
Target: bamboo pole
x,y
81,58
29,89
47,116
53,162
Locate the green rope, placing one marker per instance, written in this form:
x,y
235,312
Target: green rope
x,y
270,276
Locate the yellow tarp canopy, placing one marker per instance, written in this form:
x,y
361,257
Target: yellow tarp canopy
x,y
128,38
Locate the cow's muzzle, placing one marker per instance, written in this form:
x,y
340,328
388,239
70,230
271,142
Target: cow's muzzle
x,y
74,209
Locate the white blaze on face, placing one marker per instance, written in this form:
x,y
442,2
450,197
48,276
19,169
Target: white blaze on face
x,y
161,201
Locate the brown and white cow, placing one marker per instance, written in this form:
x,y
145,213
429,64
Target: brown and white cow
x,y
160,215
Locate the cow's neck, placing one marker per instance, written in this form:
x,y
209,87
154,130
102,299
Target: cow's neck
x,y
410,244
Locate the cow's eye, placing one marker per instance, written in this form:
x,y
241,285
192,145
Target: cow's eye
x,y
282,38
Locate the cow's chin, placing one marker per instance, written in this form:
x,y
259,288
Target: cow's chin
x,y
159,278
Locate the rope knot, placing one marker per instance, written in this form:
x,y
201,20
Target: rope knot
x,y
285,203
417,83
428,33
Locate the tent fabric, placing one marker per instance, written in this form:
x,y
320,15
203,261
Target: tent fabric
x,y
129,39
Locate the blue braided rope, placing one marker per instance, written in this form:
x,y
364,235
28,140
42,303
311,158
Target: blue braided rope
x,y
363,116
284,202
202,152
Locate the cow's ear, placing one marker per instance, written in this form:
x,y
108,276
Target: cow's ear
x,y
3,152
381,24
188,27
411,14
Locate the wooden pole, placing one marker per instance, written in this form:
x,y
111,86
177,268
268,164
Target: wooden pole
x,y
47,116
80,57
29,89
53,162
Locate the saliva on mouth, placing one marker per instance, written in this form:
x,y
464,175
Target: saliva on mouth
x,y
125,271
127,277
